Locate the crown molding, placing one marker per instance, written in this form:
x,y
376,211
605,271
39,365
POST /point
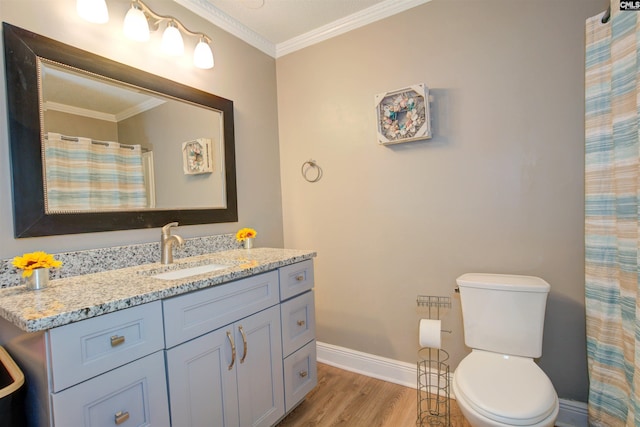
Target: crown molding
x,y
356,20
77,111
99,115
359,19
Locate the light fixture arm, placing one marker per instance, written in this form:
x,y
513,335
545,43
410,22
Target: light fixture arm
x,y
150,14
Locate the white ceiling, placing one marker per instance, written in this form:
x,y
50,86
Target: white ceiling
x,y
278,27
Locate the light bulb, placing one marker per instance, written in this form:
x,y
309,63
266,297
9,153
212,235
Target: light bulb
x,y
202,55
172,43
93,11
136,26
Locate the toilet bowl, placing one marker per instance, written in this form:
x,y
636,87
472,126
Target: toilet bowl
x,y
494,390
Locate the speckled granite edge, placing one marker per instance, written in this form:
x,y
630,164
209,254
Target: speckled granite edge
x,y
81,297
105,259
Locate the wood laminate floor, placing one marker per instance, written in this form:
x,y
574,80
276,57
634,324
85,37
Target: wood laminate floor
x,y
343,398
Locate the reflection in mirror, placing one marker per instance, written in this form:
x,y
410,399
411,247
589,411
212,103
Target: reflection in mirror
x,y
176,143
111,146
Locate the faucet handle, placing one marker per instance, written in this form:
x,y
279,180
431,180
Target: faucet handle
x,y
166,230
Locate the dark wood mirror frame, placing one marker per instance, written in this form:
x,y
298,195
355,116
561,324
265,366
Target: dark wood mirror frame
x,y
21,50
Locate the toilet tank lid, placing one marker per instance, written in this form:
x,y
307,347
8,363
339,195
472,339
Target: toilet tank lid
x,y
504,282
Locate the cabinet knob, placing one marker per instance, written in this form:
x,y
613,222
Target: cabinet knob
x,y
121,417
301,322
300,278
116,340
303,374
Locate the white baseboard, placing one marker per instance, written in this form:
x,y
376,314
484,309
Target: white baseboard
x,y
572,413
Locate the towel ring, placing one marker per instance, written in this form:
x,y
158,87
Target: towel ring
x,y
308,165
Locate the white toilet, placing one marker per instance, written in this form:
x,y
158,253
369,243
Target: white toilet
x,y
499,384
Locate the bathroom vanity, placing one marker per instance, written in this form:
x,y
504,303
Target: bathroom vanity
x,y
225,339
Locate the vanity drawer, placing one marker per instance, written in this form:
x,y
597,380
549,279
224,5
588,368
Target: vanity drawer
x,y
295,279
300,375
132,395
298,322
82,350
197,313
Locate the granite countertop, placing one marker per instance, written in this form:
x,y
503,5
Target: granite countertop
x,y
81,297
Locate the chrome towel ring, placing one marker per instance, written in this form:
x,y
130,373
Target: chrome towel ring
x,y
310,165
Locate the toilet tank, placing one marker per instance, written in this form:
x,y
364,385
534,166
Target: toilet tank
x,y
503,313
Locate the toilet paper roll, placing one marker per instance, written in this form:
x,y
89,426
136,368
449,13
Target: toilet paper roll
x,y
430,333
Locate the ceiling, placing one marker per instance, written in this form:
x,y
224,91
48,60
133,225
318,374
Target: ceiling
x,y
278,27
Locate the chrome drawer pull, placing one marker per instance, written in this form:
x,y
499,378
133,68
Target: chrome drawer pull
x,y
244,342
116,340
300,322
303,374
121,417
300,278
233,350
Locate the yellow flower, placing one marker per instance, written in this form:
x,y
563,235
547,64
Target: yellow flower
x,y
245,233
31,261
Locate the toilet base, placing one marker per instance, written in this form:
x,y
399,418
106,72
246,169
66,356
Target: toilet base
x,y
477,420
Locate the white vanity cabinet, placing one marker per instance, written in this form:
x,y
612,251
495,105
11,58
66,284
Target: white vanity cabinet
x,y
231,376
243,354
237,354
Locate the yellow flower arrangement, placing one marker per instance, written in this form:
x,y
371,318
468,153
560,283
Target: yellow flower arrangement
x,y
31,261
245,233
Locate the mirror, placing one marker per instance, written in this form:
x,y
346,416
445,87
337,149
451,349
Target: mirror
x,y
129,136
182,172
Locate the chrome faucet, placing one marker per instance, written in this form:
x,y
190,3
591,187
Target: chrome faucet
x,y
167,241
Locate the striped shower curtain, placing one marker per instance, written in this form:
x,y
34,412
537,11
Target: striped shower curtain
x,y
82,175
612,212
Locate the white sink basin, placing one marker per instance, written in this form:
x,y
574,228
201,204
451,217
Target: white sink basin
x,y
191,271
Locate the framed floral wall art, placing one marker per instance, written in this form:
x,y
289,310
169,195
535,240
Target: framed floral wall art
x,y
403,115
197,156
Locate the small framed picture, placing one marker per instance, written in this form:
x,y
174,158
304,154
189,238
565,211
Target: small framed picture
x,y
196,156
403,115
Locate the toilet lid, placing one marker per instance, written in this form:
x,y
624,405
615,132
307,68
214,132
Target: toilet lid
x,y
508,389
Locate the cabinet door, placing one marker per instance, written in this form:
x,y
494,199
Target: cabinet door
x,y
260,372
300,374
202,381
296,279
81,350
298,322
131,395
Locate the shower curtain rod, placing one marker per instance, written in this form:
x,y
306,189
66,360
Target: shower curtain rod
x,y
96,142
607,15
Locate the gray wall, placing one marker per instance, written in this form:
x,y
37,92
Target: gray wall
x,y
73,125
499,188
242,74
174,188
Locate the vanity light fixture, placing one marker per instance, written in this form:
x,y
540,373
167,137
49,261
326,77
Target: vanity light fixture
x,y
140,20
136,26
172,42
202,55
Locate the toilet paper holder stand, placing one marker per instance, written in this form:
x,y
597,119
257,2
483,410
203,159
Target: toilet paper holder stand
x,y
433,385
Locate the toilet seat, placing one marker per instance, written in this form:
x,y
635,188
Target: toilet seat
x,y
511,390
